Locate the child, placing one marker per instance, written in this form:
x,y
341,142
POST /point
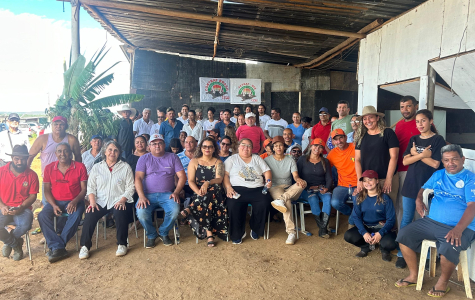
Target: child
x,y
268,147
374,217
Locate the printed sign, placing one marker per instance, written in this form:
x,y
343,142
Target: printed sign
x,y
214,89
244,91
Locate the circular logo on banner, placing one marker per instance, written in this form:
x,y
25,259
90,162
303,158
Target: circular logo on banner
x,y
460,184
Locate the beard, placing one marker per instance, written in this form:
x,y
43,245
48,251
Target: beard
x,y
409,116
19,168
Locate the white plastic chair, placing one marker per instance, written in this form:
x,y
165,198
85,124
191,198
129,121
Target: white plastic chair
x,y
462,268
76,235
27,239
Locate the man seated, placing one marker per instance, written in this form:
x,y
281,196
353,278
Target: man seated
x,y
155,185
450,221
185,157
288,136
295,151
342,157
18,188
65,184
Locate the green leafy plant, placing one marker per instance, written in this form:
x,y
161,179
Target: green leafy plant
x,y
87,115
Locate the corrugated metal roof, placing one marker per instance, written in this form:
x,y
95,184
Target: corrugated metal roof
x,y
187,36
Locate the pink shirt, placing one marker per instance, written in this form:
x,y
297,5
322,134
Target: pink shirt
x,y
254,133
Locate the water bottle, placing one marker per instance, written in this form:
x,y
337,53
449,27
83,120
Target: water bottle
x,y
265,189
350,199
372,246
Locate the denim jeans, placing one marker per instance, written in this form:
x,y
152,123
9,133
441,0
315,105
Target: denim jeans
x,y
408,211
158,200
22,222
314,201
339,198
46,220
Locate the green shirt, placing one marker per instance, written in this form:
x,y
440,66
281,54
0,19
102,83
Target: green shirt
x,y
343,124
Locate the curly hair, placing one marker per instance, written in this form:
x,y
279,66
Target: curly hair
x,y
361,131
231,132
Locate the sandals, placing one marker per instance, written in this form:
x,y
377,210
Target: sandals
x,y
397,284
210,243
184,214
433,290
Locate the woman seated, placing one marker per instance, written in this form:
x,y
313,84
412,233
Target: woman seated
x,y
316,171
374,217
225,148
243,183
110,188
208,211
283,192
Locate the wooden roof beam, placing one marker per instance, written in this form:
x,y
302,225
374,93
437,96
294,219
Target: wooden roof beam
x,y
218,27
202,17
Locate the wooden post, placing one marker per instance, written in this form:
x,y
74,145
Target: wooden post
x,y
75,42
267,95
427,90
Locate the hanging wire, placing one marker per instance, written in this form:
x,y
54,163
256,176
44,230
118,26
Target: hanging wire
x,y
453,66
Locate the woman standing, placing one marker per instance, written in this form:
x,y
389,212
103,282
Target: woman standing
x,y
243,183
377,148
231,132
193,128
297,128
316,171
225,146
240,121
423,157
207,208
110,188
374,217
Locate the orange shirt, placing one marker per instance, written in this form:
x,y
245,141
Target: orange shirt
x,y
264,155
344,161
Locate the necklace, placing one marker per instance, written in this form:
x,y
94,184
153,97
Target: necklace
x,y
110,167
427,136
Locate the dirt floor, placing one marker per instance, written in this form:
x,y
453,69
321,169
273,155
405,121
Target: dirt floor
x,y
313,268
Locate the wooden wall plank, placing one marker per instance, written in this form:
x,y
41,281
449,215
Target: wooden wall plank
x,y
455,21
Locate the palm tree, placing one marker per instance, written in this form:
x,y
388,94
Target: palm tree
x,y
87,115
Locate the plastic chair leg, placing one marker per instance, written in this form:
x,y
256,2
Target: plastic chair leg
x,y
433,261
28,247
294,214
135,223
337,222
97,235
422,263
268,226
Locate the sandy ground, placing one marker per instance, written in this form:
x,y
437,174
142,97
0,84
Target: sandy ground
x,y
313,268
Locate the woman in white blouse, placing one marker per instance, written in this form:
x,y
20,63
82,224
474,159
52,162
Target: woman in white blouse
x,y
110,188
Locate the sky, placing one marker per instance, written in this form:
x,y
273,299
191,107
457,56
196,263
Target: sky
x,y
36,40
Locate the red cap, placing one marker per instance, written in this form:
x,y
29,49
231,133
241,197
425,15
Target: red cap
x,y
60,118
266,142
336,132
318,141
369,174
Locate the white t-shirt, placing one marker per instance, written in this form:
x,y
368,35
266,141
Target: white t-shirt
x,y
306,138
196,132
207,125
141,127
263,121
233,119
276,128
155,129
183,121
246,175
18,138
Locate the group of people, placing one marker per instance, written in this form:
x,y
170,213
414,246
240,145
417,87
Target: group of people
x,y
374,174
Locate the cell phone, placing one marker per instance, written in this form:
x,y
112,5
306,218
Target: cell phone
x,y
13,208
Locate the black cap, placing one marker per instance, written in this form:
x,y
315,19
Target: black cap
x,y
13,116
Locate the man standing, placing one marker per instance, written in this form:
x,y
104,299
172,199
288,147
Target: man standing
x,y
184,114
18,188
11,137
125,136
224,122
170,129
252,132
307,124
276,125
199,115
144,124
263,118
322,129
342,157
65,184
153,167
161,111
405,129
185,157
90,155
211,122
236,112
343,122
193,128
355,123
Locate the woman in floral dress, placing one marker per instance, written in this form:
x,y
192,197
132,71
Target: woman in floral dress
x,y
207,213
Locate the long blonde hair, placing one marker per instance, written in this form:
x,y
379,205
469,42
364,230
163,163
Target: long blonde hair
x,y
362,130
231,132
364,193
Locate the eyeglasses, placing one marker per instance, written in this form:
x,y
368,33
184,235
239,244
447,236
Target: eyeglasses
x,y
245,146
14,120
355,122
207,147
226,144
321,115
157,144
296,151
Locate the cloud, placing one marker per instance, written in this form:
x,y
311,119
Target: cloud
x,y
33,50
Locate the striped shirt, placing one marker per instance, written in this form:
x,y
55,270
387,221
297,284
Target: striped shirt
x,y
109,187
276,127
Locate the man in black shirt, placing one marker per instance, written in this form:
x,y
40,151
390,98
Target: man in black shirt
x,y
125,136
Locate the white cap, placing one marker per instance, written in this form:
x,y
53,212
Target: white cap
x,y
156,136
250,114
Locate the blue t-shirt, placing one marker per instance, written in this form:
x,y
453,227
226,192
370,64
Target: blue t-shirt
x,y
452,192
169,132
185,161
221,126
298,132
370,214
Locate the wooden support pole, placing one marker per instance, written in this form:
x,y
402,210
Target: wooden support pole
x,y
75,37
193,16
218,27
431,88
341,47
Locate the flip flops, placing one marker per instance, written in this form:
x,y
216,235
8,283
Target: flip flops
x,y
404,281
433,290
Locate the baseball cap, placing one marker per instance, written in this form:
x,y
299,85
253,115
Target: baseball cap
x,y
318,141
96,136
336,132
13,116
60,118
324,109
250,114
156,136
369,174
278,139
266,142
295,146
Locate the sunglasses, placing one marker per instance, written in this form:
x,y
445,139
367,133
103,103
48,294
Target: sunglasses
x,y
296,151
355,122
207,147
321,115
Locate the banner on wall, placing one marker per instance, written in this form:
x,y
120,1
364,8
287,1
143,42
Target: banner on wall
x,y
214,89
244,91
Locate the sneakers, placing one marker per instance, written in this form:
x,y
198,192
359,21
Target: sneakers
x,y
6,250
291,239
57,255
83,253
150,243
166,240
279,205
361,254
401,263
18,250
254,235
386,256
238,242
121,250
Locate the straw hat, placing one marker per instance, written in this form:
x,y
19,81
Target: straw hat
x,y
370,110
125,107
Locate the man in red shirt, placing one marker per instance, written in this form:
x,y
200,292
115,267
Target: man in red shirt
x,y
252,132
18,188
65,183
322,129
405,129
